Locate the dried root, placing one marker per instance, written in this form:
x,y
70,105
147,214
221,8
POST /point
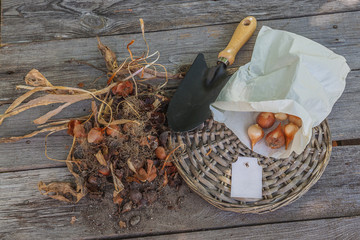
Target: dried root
x,y
119,140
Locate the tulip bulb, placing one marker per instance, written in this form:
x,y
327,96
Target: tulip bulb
x,y
256,133
265,119
296,120
275,138
281,116
290,131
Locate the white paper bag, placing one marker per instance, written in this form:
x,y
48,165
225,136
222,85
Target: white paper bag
x,y
287,73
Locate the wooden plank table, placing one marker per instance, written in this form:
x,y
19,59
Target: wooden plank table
x,y
46,35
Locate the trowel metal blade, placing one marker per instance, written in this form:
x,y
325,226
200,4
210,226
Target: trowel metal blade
x,y
189,106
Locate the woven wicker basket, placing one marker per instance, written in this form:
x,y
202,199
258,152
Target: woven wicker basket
x,y
204,162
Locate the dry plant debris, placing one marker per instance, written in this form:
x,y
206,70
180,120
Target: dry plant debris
x,y
119,144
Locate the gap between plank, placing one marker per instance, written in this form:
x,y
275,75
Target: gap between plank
x,y
33,167
347,142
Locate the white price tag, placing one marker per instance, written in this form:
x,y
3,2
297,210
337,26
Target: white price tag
x,y
246,179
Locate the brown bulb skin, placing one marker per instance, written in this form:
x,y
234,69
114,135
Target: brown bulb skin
x,y
265,119
256,133
276,138
290,130
295,120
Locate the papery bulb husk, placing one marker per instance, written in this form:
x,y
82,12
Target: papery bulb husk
x,y
265,119
290,131
113,130
256,133
76,129
79,131
275,138
95,135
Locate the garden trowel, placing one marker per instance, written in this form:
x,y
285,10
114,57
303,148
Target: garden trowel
x,y
189,107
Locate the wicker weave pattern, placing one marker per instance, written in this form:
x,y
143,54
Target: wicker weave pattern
x,y
205,158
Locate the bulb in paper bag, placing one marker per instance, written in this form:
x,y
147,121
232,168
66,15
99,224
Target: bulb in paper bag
x,y
288,74
256,133
276,138
290,131
265,119
281,116
295,120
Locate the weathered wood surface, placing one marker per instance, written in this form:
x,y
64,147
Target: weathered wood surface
x,y
28,21
177,47
25,213
22,124
344,118
337,228
29,154
179,30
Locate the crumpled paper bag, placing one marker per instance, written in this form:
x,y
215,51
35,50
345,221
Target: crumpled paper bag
x,y
287,73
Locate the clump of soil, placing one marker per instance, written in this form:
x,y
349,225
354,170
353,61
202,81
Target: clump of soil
x,y
130,156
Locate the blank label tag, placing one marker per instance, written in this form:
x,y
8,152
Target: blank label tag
x,y
246,179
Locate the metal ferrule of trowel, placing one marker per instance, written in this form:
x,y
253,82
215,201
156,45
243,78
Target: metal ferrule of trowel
x,y
189,107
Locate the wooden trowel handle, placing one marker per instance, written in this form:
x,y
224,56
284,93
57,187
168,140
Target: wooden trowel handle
x,y
241,35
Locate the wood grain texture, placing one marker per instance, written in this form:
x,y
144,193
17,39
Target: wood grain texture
x,y
22,124
337,228
39,20
25,213
29,154
179,30
177,47
344,118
